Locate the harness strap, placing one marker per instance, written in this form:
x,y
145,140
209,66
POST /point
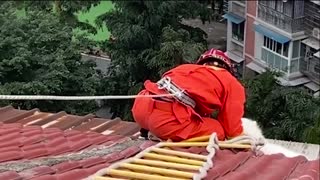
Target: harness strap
x,y
172,88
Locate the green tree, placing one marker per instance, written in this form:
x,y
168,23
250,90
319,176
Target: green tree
x,y
312,133
283,112
39,57
149,38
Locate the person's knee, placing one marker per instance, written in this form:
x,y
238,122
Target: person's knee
x,y
221,136
214,126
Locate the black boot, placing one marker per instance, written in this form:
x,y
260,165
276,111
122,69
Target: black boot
x,y
144,133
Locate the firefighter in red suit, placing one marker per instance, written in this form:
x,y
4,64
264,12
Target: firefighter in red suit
x,y
199,90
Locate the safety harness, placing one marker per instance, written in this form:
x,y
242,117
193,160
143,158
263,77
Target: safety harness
x,y
179,94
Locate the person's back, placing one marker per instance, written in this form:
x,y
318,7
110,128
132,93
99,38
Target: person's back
x,y
202,89
206,85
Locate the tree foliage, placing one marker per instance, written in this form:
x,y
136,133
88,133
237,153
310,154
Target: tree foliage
x,y
283,112
149,39
312,133
38,56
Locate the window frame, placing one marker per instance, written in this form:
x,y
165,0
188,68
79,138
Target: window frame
x,y
238,30
272,46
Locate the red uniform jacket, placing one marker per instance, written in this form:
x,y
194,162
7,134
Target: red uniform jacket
x,y
212,90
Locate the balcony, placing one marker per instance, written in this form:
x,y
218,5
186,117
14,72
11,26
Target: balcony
x,y
311,68
280,20
273,60
238,8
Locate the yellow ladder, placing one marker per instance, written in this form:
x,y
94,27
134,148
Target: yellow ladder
x,y
161,162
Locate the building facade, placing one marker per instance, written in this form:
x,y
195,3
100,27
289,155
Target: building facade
x,y
279,34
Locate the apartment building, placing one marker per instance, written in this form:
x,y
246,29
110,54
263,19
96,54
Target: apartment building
x,y
310,47
277,34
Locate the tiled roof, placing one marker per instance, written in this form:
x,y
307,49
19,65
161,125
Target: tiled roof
x,y
44,146
58,145
64,121
245,165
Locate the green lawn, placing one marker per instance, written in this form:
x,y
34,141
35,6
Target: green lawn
x,y
90,17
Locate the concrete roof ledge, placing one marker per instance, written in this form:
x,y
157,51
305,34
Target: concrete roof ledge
x,y
311,151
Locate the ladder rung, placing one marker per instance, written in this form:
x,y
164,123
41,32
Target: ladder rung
x,y
184,144
192,144
173,159
198,139
166,172
235,146
106,178
166,164
179,153
135,175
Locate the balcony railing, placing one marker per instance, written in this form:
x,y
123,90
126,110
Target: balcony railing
x,y
280,20
311,68
273,60
238,9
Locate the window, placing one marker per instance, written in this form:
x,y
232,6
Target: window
x,y
285,49
303,50
296,49
279,6
274,4
238,31
287,8
275,54
298,9
281,49
274,60
271,4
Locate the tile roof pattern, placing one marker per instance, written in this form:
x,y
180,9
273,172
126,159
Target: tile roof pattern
x,y
64,121
68,169
27,136
245,165
44,146
18,142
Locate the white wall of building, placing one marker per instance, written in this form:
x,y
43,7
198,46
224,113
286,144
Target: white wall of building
x,y
258,45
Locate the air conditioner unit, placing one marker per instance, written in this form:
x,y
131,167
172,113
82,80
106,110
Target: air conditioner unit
x,y
316,33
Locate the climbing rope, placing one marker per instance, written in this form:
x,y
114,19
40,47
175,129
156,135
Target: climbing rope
x,y
78,98
162,162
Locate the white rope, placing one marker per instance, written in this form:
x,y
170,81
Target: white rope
x,y
77,98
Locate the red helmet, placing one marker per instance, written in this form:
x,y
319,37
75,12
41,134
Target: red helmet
x,y
214,54
218,55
